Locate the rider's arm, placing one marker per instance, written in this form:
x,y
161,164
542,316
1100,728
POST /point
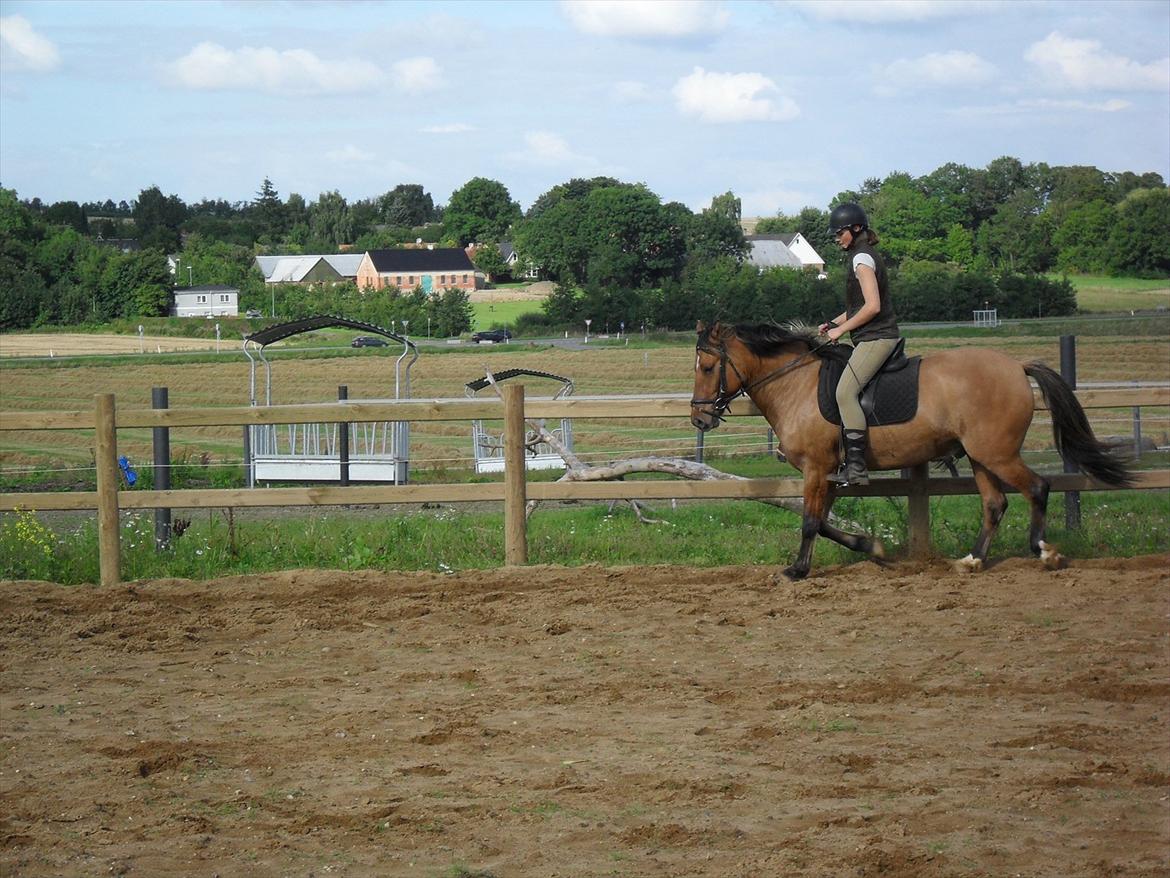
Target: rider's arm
x,y
836,321
873,303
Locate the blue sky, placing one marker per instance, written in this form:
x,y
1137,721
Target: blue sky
x,y
783,103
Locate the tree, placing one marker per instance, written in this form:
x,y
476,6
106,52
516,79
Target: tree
x,y
450,312
1138,243
407,204
575,190
481,210
490,261
630,238
270,214
1082,238
157,219
329,220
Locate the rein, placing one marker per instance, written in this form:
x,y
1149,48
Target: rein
x,y
724,398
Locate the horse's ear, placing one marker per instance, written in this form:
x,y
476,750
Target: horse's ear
x,y
700,326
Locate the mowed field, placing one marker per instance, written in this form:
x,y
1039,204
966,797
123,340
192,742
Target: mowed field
x,y
369,374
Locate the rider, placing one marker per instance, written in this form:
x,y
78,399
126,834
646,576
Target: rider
x,y
869,319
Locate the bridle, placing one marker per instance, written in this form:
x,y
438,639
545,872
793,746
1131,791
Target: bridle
x,y
723,397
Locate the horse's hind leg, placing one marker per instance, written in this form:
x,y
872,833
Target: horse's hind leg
x,y
1035,488
994,506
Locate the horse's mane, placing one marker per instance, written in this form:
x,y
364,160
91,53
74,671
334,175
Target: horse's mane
x,y
765,339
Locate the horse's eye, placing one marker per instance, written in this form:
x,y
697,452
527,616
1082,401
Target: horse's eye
x,y
708,369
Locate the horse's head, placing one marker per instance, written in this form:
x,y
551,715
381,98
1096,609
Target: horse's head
x,y
717,378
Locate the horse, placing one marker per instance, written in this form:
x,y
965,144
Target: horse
x,y
970,401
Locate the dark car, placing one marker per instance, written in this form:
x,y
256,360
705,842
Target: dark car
x,y
368,341
492,335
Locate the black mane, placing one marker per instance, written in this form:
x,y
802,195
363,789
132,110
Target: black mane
x,y
765,339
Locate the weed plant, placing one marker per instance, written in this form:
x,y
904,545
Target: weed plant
x,y
702,534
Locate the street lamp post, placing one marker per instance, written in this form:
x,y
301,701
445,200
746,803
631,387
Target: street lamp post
x,y
405,328
272,312
190,276
587,322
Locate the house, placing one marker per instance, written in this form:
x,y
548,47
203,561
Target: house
x,y
309,268
439,268
210,300
768,251
771,251
516,268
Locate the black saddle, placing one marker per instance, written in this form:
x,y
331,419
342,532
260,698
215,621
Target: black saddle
x,y
891,397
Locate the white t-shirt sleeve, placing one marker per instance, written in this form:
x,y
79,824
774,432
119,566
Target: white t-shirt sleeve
x,y
864,259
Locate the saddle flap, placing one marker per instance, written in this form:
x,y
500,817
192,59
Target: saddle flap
x,y
890,398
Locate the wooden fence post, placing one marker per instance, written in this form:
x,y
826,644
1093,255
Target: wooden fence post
x,y
105,454
919,511
515,477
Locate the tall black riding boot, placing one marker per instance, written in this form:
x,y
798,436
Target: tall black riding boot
x,y
855,471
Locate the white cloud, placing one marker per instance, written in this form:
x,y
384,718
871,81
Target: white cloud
x,y
1113,105
417,74
646,19
451,128
1083,64
547,148
937,69
349,154
732,97
24,48
887,11
210,66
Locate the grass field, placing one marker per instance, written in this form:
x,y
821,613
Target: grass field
x,y
502,314
1101,294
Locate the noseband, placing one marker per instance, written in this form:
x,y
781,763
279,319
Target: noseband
x,y
723,398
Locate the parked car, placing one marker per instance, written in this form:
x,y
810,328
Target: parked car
x,y
368,341
253,314
492,335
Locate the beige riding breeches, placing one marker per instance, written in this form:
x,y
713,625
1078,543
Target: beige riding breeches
x,y
864,363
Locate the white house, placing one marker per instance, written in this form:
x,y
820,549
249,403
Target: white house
x,y
768,251
803,250
211,300
311,268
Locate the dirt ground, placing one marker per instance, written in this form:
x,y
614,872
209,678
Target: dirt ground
x,y
630,721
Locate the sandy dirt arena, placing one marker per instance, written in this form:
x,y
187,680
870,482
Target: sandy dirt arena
x,y
586,722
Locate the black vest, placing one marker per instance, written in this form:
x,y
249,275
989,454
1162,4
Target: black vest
x,y
885,324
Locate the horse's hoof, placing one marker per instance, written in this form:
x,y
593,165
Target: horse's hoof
x,y
970,564
1050,557
794,573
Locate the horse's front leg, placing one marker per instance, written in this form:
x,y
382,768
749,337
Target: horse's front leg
x,y
863,543
816,508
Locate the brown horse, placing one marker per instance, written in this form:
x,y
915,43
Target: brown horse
x,y
971,401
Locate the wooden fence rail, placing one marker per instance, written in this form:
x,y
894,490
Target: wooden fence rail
x,y
105,419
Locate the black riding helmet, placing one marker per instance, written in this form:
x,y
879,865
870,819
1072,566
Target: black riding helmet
x,y
846,216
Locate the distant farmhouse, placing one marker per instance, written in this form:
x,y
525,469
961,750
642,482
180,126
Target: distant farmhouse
x,y
517,269
306,269
790,250
211,300
439,268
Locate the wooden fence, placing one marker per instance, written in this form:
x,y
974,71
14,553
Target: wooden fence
x,y
105,419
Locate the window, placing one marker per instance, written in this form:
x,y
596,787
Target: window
x,y
224,298
443,280
465,278
410,280
200,299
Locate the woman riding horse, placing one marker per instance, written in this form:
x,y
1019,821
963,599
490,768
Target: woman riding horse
x,y
869,319
972,401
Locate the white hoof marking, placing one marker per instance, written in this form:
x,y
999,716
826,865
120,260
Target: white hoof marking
x,y
1049,556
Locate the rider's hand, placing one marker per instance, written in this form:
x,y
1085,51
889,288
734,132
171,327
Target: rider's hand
x,y
835,333
823,328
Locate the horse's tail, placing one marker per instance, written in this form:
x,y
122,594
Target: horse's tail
x,y
1074,437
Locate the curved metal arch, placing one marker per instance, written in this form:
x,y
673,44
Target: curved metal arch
x,y
474,387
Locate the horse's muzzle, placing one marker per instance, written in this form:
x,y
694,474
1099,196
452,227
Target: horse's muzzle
x,y
704,421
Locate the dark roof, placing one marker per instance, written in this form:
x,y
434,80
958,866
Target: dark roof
x,y
208,288
439,259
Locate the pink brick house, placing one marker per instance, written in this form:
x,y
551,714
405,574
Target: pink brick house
x,y
437,269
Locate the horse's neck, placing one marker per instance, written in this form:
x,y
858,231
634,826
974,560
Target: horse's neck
x,y
780,380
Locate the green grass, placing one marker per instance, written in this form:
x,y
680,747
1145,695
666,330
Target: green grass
x,y
702,534
1099,293
493,314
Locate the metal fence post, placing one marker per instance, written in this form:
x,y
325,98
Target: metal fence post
x,y
1068,371
515,477
343,438
159,399
105,453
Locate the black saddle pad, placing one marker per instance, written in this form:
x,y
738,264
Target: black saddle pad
x,y
890,398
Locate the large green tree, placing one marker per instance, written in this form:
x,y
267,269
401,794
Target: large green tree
x,y
480,210
157,219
